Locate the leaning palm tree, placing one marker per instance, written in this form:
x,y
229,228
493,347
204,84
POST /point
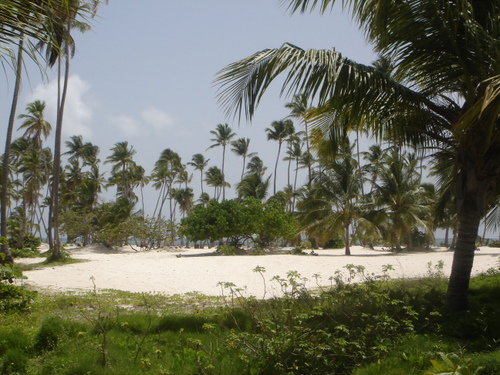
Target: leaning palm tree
x,y
223,135
444,93
279,131
240,148
199,163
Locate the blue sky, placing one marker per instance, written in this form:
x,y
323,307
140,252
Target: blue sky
x,y
144,74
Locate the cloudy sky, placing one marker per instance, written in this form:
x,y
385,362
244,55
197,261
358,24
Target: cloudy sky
x,y
144,74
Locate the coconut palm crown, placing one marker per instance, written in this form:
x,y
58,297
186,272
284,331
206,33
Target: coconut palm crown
x,y
443,93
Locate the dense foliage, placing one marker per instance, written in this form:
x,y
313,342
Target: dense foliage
x,y
239,220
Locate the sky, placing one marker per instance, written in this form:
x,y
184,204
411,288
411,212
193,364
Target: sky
x,y
145,74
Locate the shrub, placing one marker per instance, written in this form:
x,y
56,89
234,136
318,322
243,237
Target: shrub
x,y
14,361
50,333
334,244
13,297
176,323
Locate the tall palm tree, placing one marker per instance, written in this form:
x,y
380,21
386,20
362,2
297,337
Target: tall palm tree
x,y
444,93
34,124
253,185
122,158
199,163
400,197
240,148
331,205
66,14
299,108
223,135
279,131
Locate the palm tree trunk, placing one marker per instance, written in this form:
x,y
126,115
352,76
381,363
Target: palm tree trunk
x,y
223,175
463,258
446,234
8,259
347,241
276,166
56,252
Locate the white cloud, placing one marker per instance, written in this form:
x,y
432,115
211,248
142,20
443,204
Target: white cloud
x,y
157,119
77,110
128,126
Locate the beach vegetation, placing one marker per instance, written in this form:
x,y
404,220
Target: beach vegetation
x,y
238,221
371,326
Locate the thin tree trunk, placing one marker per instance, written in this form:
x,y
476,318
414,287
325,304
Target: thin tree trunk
x,y
8,259
276,166
446,234
56,252
223,175
347,241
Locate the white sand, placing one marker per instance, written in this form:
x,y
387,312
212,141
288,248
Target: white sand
x,y
163,271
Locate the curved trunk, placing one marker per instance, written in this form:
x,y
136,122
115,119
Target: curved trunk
x,y
8,259
476,187
463,258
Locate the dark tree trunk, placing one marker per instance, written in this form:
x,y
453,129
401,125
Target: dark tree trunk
x,y
463,259
476,188
7,258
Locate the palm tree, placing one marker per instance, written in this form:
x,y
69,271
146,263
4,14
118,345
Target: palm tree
x,y
65,15
199,163
223,134
374,159
400,197
330,206
123,163
84,151
443,94
164,174
215,178
253,185
34,124
240,148
279,131
300,109
256,165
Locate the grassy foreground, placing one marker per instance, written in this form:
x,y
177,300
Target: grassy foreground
x,y
381,326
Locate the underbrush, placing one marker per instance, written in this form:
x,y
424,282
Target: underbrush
x,y
377,326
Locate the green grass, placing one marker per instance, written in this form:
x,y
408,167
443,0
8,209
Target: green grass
x,y
381,327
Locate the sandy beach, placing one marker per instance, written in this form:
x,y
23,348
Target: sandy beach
x,y
179,271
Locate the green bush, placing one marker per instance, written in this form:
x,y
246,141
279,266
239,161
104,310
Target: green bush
x,y
31,242
13,297
176,323
50,333
334,244
14,361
